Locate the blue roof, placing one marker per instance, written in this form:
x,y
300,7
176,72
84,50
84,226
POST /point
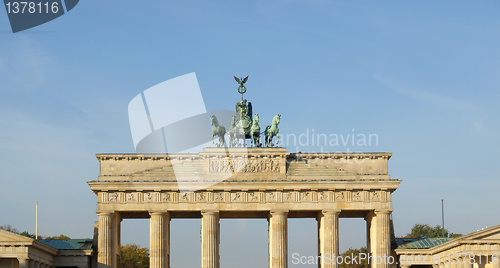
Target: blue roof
x,y
69,244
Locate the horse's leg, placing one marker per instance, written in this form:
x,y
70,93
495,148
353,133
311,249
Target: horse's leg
x,y
278,135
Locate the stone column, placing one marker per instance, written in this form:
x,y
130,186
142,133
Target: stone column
x,y
159,239
105,247
368,219
278,239
372,229
23,262
328,236
210,239
467,264
31,263
481,262
115,236
383,246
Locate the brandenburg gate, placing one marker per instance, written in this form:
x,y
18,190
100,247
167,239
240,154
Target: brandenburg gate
x,y
233,181
271,183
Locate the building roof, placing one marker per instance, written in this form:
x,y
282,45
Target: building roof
x,y
405,240
10,239
69,244
424,243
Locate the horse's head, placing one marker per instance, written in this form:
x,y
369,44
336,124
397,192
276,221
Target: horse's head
x,y
256,119
276,119
213,119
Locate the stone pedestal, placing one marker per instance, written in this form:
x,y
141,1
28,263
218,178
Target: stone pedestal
x,y
278,239
328,237
210,230
104,257
159,240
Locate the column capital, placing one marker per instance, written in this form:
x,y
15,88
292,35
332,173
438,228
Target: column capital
x,y
330,212
278,212
151,213
24,260
209,212
105,213
383,211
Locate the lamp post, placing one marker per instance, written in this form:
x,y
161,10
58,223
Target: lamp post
x,y
442,212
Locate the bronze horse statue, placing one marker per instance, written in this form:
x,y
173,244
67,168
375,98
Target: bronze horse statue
x,y
255,131
272,131
217,130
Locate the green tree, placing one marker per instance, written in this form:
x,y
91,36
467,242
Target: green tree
x,y
426,231
354,258
61,236
134,257
25,233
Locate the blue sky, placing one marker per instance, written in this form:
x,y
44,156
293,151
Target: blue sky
x,y
421,75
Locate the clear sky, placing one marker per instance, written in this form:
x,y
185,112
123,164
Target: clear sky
x,y
421,75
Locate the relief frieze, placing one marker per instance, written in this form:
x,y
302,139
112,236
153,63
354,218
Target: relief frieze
x,y
246,196
245,166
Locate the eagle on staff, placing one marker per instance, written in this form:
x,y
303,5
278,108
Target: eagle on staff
x,y
241,81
